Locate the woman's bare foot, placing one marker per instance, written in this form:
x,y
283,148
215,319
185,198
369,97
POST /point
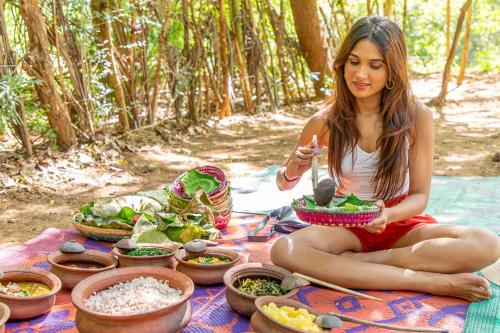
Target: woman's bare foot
x,y
468,286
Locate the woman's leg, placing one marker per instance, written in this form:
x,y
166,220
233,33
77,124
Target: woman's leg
x,y
441,249
315,251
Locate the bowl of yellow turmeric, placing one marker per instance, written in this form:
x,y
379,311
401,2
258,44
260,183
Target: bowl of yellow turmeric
x,y
283,315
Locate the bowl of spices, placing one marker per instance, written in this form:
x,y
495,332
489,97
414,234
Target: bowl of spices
x,y
28,292
4,316
282,315
133,299
73,263
248,281
206,267
131,254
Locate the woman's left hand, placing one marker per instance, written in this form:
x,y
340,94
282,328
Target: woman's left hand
x,y
378,225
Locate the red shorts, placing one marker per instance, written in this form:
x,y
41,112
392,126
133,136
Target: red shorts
x,y
392,233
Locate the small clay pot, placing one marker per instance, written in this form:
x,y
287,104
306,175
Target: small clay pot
x,y
170,319
71,276
206,274
4,316
29,307
243,303
166,260
261,323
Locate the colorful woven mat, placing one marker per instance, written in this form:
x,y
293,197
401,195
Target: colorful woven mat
x,y
484,317
211,313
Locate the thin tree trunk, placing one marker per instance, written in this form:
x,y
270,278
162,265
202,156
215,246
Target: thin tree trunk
x,y
388,8
440,99
41,68
465,50
448,32
405,16
21,129
312,43
225,107
132,78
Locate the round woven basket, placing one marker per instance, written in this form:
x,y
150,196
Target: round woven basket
x,y
178,189
109,235
335,219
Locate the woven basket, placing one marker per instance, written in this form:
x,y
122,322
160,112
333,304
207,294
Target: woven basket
x,y
336,219
178,189
109,235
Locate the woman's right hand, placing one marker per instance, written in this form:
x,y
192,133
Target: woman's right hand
x,y
301,159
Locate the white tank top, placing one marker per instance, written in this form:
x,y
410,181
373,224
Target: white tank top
x,y
357,178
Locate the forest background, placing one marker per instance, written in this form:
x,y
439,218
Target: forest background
x,y
106,97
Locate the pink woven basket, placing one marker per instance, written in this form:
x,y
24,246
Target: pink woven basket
x,y
335,219
178,189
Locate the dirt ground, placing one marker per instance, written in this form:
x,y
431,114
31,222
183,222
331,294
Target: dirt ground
x,y
45,191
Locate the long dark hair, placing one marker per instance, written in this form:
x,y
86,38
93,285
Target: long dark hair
x,y
397,109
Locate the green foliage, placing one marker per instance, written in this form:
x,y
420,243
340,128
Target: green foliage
x,y
12,89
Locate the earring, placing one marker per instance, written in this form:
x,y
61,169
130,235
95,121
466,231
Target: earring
x,y
391,86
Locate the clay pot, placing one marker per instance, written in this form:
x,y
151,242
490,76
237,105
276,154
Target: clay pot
x,y
4,316
169,319
71,276
157,261
206,274
29,307
243,303
264,324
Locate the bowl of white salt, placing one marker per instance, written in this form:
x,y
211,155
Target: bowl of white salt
x,y
133,299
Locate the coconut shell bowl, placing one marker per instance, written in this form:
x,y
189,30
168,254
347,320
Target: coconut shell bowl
x,y
164,260
4,316
244,303
73,263
29,306
165,319
262,323
206,274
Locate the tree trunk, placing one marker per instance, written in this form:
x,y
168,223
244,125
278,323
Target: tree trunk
x,y
388,8
312,43
448,32
10,68
41,67
465,50
440,99
225,107
132,90
405,16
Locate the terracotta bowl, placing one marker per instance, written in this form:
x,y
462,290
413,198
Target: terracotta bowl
x,y
264,324
71,276
4,316
206,274
29,307
169,319
167,260
243,303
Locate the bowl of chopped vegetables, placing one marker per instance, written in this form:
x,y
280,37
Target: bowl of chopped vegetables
x,y
72,268
4,316
28,292
282,315
133,299
341,211
147,254
207,267
248,281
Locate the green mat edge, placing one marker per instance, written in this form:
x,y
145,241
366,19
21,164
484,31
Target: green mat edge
x,y
484,317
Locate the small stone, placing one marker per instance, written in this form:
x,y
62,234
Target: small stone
x,y
328,321
126,244
71,247
10,221
195,246
496,157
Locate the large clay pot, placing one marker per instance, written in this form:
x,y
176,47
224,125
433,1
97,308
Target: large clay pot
x,y
4,316
166,260
206,274
71,276
243,303
29,307
264,324
169,319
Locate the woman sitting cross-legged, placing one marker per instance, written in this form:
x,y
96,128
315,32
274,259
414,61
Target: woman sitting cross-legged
x,y
380,147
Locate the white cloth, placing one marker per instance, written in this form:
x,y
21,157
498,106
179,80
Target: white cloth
x,y
357,177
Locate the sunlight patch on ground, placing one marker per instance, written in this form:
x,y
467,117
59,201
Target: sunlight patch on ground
x,y
453,158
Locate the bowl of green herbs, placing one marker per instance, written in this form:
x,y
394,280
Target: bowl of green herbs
x,y
147,254
248,281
